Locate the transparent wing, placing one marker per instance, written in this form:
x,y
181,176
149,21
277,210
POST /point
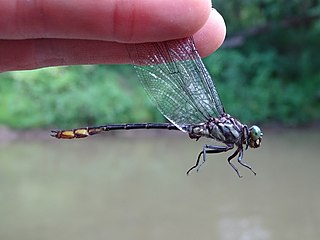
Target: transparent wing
x,y
177,81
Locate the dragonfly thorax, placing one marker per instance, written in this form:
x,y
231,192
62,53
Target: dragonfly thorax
x,y
224,129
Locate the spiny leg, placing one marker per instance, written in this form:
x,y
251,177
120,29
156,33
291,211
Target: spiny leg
x,y
208,149
196,164
231,164
245,164
211,149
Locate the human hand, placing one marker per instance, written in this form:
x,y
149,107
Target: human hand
x,y
35,34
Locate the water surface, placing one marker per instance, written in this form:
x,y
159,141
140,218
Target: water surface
x,y
122,187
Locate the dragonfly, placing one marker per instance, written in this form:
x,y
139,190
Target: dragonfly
x,y
178,83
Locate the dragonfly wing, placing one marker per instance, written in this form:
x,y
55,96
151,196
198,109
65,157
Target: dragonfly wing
x,y
177,81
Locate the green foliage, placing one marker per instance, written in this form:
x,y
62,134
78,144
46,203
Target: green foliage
x,y
253,88
72,96
272,75
243,14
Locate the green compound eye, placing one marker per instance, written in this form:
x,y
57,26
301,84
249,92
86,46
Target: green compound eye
x,y
255,133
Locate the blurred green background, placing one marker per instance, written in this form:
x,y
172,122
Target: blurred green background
x,y
132,185
267,71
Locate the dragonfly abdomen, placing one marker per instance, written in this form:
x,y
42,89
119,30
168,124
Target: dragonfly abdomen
x,y
88,131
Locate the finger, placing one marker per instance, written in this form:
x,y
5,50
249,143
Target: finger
x,y
211,36
112,20
36,53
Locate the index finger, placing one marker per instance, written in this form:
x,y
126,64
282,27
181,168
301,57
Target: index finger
x,y
112,20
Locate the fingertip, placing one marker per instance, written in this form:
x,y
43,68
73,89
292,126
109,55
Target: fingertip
x,y
211,36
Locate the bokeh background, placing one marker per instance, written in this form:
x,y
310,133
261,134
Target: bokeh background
x,y
133,184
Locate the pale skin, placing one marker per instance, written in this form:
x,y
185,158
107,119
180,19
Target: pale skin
x,y
41,33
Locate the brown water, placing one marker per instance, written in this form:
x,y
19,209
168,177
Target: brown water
x,y
136,188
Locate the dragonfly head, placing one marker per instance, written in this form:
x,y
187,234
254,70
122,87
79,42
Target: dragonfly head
x,y
255,137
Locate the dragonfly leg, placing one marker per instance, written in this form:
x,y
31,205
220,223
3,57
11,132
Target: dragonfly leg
x,y
204,157
231,164
208,149
245,164
196,164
